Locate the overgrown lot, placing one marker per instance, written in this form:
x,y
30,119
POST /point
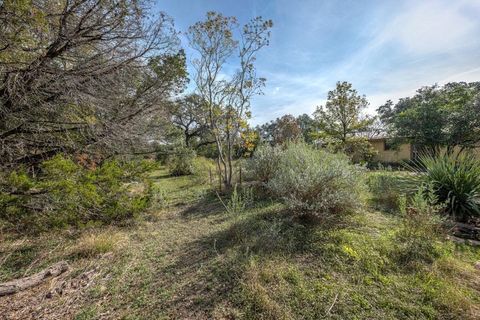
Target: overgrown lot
x,y
190,259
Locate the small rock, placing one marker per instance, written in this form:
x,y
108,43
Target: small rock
x,y
477,265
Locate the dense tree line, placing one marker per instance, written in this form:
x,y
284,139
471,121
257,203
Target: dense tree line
x,y
436,118
83,76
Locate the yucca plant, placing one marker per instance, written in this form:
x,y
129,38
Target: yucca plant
x,y
456,182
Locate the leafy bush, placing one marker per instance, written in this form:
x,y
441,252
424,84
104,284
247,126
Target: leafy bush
x,y
455,179
264,163
359,149
316,182
421,228
65,193
181,162
202,168
386,189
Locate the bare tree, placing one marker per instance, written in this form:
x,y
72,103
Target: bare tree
x,y
227,95
82,75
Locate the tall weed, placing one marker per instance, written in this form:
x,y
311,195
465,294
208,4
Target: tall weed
x,y
421,228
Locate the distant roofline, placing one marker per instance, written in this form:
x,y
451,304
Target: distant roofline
x,y
386,137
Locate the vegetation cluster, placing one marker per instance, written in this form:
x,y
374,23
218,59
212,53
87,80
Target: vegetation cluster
x,y
169,204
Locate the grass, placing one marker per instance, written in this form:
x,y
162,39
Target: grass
x,y
190,259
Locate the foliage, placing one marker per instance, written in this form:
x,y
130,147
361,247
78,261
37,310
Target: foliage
x,y
204,169
308,127
341,120
316,182
239,200
455,179
386,188
358,149
342,115
180,162
437,116
64,193
189,114
227,95
287,128
80,76
421,228
249,142
264,163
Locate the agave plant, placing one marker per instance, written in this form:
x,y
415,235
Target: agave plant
x,y
456,182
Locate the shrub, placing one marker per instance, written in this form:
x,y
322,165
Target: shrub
x,y
421,228
181,162
386,189
202,168
359,149
455,180
316,182
65,193
264,163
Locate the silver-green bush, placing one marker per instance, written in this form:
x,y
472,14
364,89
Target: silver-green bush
x,y
264,163
317,183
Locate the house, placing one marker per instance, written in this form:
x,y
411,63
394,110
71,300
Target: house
x,y
388,153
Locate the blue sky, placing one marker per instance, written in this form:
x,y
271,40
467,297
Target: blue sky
x,y
386,48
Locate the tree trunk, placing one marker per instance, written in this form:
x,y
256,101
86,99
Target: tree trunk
x,y
14,286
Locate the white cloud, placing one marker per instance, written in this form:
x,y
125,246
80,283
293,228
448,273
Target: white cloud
x,y
433,26
406,45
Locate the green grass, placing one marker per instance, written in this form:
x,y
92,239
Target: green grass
x,y
190,259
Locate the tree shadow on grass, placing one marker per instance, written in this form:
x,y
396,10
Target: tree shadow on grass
x,y
207,205
161,176
212,267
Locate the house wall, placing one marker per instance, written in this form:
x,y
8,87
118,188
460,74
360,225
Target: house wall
x,y
403,152
475,151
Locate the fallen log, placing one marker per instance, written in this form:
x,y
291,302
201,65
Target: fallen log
x,y
455,239
17,285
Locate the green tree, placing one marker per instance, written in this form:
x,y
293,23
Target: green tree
x,y
308,127
436,117
287,128
341,120
189,115
83,76
341,117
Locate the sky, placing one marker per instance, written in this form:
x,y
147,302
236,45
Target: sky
x,y
386,48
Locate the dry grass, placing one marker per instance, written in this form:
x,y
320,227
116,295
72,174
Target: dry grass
x,y
192,260
96,243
